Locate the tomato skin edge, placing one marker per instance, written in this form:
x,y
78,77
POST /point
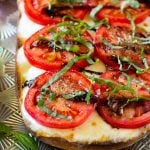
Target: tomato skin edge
x,y
84,110
127,123
112,19
105,59
113,119
32,60
36,16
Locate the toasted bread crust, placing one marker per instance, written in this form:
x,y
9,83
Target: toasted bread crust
x,y
62,142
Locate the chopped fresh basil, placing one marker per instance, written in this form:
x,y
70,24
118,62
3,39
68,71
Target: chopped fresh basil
x,y
133,26
110,45
50,112
115,88
104,82
40,102
128,78
73,28
90,61
94,11
74,94
132,3
132,64
88,97
136,99
119,88
143,40
98,23
52,96
115,1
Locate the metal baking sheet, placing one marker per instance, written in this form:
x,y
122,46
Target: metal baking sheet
x,y
9,109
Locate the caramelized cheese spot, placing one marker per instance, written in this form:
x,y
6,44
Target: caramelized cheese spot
x,y
71,136
93,123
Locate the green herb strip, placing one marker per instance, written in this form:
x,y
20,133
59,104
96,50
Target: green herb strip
x,y
94,11
127,60
19,137
74,27
99,23
88,96
133,26
110,45
73,95
114,86
50,112
136,99
115,1
68,28
143,40
132,3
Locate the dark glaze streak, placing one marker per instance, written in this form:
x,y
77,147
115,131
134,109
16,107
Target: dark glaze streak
x,y
28,83
42,44
92,72
50,44
58,11
117,105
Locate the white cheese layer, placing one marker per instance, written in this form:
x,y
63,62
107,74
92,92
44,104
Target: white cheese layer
x,y
28,72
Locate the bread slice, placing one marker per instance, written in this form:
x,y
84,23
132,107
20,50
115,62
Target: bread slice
x,y
93,134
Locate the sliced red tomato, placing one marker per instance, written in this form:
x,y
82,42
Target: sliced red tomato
x,y
115,110
114,33
120,35
71,82
38,11
138,82
115,15
145,77
130,118
41,53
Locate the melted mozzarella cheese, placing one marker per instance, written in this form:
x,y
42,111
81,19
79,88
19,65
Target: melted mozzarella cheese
x,y
94,130
28,72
